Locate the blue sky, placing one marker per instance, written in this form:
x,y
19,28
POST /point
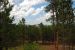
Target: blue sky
x,y
73,3
31,10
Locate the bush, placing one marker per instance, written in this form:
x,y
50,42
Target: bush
x,y
31,46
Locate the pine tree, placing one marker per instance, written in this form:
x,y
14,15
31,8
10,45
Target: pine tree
x,y
22,30
5,21
63,17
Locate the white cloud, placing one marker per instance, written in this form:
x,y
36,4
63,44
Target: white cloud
x,y
11,2
38,10
45,16
25,9
41,19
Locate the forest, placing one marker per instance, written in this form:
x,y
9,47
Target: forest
x,y
60,32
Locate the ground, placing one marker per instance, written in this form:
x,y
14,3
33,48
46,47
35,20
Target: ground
x,y
42,47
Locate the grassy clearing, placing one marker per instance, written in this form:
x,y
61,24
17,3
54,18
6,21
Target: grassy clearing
x,y
38,47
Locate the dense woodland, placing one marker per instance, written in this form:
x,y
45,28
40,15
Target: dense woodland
x,y
61,31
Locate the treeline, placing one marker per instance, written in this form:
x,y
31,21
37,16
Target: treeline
x,y
30,33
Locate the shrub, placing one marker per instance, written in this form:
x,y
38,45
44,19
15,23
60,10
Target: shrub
x,y
31,46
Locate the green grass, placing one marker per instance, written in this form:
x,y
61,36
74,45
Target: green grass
x,y
27,46
31,46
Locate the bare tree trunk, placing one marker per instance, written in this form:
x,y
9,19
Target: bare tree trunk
x,y
69,46
1,48
63,46
6,48
56,41
72,46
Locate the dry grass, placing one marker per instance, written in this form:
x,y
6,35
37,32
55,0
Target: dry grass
x,y
42,47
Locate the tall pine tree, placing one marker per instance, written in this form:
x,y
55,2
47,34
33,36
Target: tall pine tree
x,y
63,19
5,21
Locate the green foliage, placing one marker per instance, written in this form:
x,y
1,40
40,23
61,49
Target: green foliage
x,y
7,33
31,46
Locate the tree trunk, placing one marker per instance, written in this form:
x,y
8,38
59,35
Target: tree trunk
x,y
6,48
1,48
69,46
63,46
72,46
